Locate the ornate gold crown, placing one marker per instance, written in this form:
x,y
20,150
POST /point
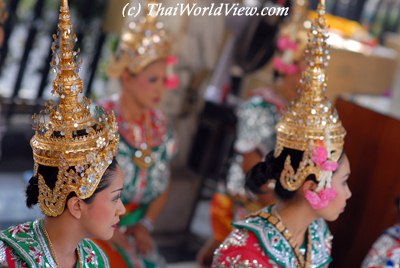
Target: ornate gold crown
x,y
80,141
311,118
141,43
292,39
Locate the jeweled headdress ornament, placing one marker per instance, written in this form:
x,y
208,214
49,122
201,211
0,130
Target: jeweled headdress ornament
x,y
311,123
292,39
80,141
141,43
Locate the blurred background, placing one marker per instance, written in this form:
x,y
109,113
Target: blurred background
x,y
216,72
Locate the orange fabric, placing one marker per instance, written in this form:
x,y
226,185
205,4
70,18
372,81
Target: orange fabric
x,y
115,259
222,211
130,207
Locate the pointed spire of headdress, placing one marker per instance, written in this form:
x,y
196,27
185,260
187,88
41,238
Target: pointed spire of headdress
x,y
68,84
79,141
312,118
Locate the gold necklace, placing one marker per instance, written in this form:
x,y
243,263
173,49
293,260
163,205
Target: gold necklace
x,y
80,259
274,210
277,222
53,252
143,155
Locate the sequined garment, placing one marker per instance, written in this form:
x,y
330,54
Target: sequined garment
x,y
142,186
256,131
255,242
385,252
25,245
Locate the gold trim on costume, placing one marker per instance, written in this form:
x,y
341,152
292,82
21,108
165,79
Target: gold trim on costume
x,y
303,262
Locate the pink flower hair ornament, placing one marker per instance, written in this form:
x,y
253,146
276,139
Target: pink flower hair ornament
x,y
321,199
172,60
285,68
285,62
285,43
324,193
172,80
320,158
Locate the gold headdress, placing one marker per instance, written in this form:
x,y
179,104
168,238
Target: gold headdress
x,y
80,141
141,43
292,39
311,123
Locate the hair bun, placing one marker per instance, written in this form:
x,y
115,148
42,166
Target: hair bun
x,y
256,177
32,192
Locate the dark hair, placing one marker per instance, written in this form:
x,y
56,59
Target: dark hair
x,y
257,45
50,176
271,168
